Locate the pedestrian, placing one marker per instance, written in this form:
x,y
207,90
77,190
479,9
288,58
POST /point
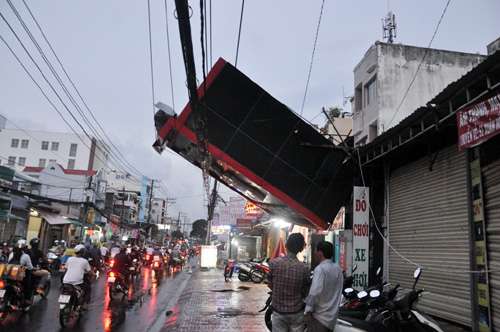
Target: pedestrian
x,y
289,280
323,301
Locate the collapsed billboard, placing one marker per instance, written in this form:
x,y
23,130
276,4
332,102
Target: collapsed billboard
x,y
261,149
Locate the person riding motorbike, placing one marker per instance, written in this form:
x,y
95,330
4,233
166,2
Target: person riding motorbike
x,y
104,252
76,267
95,253
19,256
135,254
36,256
62,247
114,250
122,263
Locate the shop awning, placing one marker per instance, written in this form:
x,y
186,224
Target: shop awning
x,y
75,222
53,218
261,149
4,214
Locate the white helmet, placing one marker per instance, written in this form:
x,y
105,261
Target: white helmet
x,y
62,242
21,243
79,248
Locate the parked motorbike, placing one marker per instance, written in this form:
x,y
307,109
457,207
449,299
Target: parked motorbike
x,y
116,284
259,272
12,294
244,271
70,303
229,269
397,315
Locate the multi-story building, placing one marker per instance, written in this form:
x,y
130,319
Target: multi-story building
x,y
393,80
22,148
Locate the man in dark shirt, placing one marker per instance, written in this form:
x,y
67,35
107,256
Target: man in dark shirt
x,y
290,280
95,253
36,255
122,263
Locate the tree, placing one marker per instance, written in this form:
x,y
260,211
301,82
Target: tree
x,y
199,229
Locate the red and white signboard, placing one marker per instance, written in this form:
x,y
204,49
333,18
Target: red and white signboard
x,y
479,122
361,236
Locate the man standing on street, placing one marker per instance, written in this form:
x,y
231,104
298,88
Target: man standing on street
x,y
323,301
289,279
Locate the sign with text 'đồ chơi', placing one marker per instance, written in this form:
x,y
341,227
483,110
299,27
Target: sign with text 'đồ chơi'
x,y
361,236
480,121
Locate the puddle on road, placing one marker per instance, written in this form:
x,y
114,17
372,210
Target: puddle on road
x,y
229,313
231,289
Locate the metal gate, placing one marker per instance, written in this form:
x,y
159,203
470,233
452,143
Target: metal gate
x,y
428,225
491,187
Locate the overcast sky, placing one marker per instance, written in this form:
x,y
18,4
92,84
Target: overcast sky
x,y
104,46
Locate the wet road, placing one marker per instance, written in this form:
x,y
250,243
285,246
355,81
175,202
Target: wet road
x,y
143,309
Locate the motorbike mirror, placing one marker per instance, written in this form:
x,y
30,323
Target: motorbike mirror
x,y
362,295
349,290
135,260
375,293
379,270
416,275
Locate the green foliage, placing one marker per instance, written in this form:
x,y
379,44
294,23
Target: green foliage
x,y
177,234
334,112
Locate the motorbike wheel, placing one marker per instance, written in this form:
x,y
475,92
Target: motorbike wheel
x,y
267,318
256,278
46,290
65,315
112,291
243,277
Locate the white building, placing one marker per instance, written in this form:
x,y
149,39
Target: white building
x,y
383,96
22,148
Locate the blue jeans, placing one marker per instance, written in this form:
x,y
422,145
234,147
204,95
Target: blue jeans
x,y
289,322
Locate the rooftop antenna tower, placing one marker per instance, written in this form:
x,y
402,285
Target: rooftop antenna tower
x,y
389,27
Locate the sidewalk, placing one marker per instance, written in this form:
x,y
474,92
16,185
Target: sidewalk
x,y
208,303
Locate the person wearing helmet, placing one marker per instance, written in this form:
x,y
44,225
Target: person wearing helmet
x,y
55,244
36,256
115,250
62,247
122,263
104,252
20,256
76,267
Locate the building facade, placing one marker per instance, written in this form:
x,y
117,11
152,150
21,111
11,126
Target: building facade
x,y
393,80
23,148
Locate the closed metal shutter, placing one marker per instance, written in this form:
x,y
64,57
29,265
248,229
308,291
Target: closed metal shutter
x,y
491,192
428,225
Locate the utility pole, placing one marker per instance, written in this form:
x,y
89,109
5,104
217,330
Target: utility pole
x,y
123,204
150,199
211,208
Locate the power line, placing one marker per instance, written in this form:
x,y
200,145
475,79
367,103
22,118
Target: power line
x,y
239,34
312,57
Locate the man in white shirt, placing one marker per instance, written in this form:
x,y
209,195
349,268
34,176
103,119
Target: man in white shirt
x,y
76,267
115,250
323,301
149,250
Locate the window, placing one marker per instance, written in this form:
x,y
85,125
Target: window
x,y
52,161
14,143
371,91
55,146
22,161
45,145
12,161
24,144
71,163
72,150
41,162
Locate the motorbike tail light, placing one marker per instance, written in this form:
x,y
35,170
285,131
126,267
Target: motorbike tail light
x,y
2,284
147,256
112,262
111,274
156,264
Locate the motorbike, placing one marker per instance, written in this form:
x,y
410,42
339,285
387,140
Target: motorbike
x,y
55,259
397,315
157,265
229,269
259,272
135,269
12,293
5,251
116,284
148,259
70,303
269,311
244,271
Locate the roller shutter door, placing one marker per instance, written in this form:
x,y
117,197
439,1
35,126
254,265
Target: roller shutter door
x,y
428,224
491,192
